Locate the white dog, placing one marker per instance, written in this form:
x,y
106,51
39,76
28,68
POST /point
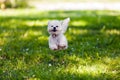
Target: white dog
x,y
56,29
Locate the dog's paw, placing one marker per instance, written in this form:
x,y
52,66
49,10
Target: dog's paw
x,y
54,48
60,47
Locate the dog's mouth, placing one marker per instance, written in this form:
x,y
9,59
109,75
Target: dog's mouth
x,y
54,30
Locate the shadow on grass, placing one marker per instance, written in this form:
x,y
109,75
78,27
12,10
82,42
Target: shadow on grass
x,y
93,40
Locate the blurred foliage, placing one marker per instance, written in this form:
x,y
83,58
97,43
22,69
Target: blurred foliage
x,y
16,3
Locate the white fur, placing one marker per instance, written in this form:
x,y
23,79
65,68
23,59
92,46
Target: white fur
x,y
57,40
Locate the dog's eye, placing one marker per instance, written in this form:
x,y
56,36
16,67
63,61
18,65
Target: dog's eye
x,y
56,26
52,26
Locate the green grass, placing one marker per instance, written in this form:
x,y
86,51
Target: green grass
x,y
93,53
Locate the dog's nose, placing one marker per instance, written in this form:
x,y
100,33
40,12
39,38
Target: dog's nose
x,y
54,28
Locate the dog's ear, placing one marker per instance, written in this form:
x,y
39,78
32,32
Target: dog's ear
x,y
48,22
64,24
67,20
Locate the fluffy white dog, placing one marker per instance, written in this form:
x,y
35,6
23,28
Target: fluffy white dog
x,y
56,29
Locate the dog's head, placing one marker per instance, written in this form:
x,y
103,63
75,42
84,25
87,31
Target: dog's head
x,y
57,27
54,27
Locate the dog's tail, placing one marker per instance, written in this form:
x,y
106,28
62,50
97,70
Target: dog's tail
x,y
65,24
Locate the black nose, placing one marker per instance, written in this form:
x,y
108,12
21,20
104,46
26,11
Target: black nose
x,y
54,28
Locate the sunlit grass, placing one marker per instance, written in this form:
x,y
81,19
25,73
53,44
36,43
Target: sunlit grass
x,y
37,23
30,33
87,69
79,23
113,31
77,31
85,66
93,52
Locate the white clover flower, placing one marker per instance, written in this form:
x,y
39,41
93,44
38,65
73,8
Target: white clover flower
x,y
49,64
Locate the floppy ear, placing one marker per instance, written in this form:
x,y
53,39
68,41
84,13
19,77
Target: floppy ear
x,y
64,24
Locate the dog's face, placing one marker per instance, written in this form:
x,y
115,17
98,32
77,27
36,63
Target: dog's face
x,y
54,27
57,27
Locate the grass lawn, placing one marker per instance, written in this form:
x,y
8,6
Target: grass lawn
x,y
93,53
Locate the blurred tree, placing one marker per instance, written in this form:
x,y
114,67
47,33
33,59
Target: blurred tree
x,y
2,3
13,3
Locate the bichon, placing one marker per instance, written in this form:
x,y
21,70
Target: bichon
x,y
56,29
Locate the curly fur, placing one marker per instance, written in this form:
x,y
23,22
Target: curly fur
x,y
56,29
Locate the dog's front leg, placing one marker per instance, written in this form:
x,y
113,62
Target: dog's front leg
x,y
62,42
52,44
